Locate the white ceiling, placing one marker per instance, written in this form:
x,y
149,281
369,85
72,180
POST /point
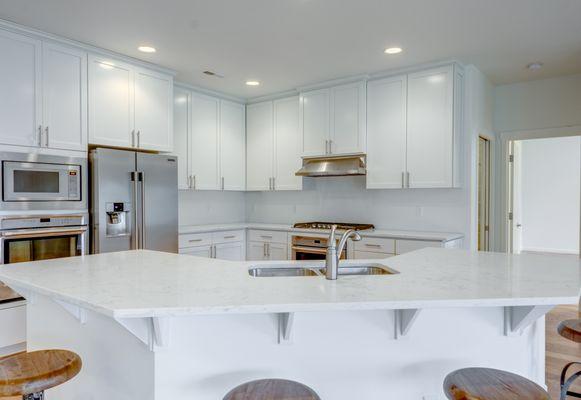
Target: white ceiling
x,y
289,43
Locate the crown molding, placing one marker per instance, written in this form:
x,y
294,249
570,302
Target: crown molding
x,y
209,92
49,37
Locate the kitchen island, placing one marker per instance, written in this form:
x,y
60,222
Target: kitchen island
x,y
155,326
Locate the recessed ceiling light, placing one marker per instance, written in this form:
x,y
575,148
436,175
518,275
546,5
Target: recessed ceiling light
x,y
393,50
535,66
146,49
252,83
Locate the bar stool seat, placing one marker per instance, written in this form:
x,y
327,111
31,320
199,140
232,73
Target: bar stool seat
x,y
570,329
491,384
29,374
272,389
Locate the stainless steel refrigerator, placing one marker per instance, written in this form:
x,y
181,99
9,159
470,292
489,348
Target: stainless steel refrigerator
x,y
134,201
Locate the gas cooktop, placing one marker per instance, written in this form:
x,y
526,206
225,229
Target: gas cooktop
x,y
327,225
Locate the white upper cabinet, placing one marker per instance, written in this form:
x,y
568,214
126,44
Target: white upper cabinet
x,y
232,146
430,128
413,133
333,121
111,121
64,98
204,143
153,110
315,122
129,106
181,127
287,144
259,146
386,133
348,119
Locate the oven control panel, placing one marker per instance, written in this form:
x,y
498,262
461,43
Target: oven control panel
x,y
42,221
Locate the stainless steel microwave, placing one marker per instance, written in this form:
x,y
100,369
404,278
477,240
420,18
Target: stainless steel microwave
x,y
43,182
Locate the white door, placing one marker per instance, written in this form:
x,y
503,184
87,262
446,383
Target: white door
x,y
110,103
259,146
229,251
198,251
181,131
20,90
232,146
256,251
386,133
64,98
348,119
430,128
314,121
287,144
153,110
204,144
516,197
277,251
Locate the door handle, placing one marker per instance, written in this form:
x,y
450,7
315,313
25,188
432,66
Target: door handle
x,y
138,138
326,147
142,233
46,134
274,183
194,182
222,183
330,146
408,178
135,231
264,249
402,179
39,136
268,249
133,138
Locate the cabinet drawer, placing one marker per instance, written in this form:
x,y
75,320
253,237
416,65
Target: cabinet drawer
x,y
195,239
227,237
405,246
267,236
375,245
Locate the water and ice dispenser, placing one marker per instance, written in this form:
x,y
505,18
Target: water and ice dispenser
x,y
118,219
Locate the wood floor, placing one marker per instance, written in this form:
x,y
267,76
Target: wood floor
x,y
560,351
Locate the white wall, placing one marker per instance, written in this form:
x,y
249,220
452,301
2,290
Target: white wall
x,y
211,207
550,194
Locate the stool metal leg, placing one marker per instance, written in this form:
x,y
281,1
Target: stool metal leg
x,y
566,383
34,396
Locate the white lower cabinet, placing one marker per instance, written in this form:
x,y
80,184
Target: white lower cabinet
x,y
13,323
229,251
405,246
267,245
223,245
198,251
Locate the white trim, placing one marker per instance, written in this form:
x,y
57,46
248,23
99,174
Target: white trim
x,y
48,37
209,92
403,321
333,82
518,318
12,349
549,250
273,97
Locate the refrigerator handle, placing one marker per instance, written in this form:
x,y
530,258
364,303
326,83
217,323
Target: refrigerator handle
x,y
142,206
134,230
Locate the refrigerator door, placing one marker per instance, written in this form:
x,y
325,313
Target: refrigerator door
x,y
112,200
157,209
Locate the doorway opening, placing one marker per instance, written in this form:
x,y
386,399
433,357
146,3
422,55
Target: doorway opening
x,y
484,172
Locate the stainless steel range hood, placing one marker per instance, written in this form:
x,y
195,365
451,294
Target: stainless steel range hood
x,y
333,166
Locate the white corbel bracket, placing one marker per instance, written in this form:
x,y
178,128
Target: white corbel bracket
x,y
154,332
78,312
285,324
517,318
403,321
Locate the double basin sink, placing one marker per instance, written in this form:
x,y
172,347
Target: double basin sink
x,y
280,270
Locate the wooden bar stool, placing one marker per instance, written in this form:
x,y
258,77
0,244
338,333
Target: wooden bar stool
x,y
272,389
491,384
30,374
570,329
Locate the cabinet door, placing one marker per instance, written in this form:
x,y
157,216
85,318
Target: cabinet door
x,y
287,145
430,128
230,251
198,251
259,146
369,255
181,131
386,133
348,119
314,121
405,246
110,103
232,146
256,251
204,142
20,93
64,98
277,251
153,110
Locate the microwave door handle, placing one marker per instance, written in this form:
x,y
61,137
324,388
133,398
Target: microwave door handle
x,y
134,230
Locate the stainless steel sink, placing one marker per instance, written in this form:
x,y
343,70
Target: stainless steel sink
x,y
345,270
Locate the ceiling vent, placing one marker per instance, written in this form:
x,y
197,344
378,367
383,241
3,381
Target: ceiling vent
x,y
212,73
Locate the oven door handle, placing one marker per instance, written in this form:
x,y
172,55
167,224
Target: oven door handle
x,y
33,233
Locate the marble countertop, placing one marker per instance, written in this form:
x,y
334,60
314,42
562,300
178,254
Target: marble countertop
x,y
143,283
386,233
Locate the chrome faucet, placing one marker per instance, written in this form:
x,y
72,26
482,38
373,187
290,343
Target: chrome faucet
x,y
334,251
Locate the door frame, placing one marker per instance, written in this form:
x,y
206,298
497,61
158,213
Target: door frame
x,y
488,200
503,224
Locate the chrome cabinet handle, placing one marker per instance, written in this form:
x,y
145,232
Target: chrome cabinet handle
x,y
372,245
326,147
46,134
264,249
408,178
273,183
133,138
266,236
138,138
330,146
402,179
39,136
267,249
194,240
222,183
230,237
194,182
